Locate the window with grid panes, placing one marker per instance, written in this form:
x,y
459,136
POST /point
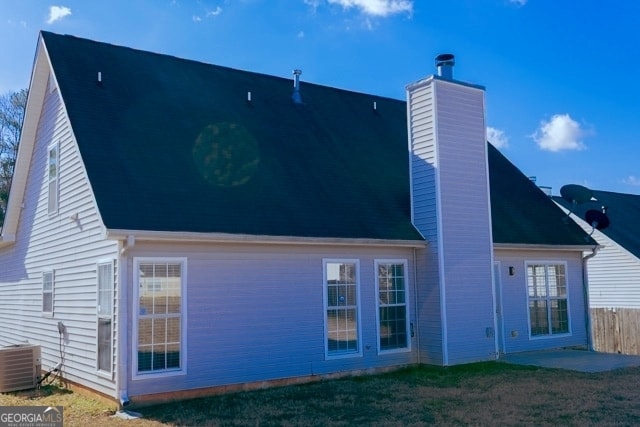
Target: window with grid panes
x,y
548,299
105,316
341,303
159,316
392,305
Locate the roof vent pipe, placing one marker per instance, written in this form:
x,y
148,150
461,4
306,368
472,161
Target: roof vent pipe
x,y
444,64
296,87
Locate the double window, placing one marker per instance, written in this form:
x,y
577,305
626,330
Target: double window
x,y
342,307
160,332
548,299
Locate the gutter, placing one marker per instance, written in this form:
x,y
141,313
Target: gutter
x,y
535,247
173,236
585,291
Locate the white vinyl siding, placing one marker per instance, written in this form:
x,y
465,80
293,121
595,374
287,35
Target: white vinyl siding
x,y
513,294
450,207
342,315
159,324
47,293
105,317
70,249
548,299
257,312
392,293
614,273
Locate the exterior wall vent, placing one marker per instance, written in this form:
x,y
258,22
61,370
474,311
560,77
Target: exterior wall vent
x,y
19,367
444,64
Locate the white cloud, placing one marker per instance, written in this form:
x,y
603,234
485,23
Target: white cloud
x,y
497,137
208,14
300,34
373,7
632,180
313,3
56,13
559,133
217,11
518,2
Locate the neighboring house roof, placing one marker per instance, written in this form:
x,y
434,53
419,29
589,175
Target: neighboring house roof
x,y
175,145
521,213
623,211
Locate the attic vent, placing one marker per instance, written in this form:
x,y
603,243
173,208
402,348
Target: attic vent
x,y
19,367
296,87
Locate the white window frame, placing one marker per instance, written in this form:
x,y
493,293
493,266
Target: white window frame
x,y
51,291
100,315
53,183
548,298
358,330
379,305
182,370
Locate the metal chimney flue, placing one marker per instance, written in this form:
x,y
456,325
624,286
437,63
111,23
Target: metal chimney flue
x,y
296,87
444,64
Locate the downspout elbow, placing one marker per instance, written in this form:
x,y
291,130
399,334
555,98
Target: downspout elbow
x,y
128,244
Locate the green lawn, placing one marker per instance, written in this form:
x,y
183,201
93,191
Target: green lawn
x,y
489,393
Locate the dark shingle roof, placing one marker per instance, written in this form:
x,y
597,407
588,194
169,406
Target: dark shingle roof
x,y
522,213
623,211
173,145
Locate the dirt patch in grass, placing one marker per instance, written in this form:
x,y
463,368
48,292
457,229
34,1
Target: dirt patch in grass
x,y
477,394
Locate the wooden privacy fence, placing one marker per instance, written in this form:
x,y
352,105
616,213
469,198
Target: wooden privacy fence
x,y
616,330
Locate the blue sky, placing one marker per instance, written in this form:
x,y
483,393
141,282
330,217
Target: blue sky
x,y
562,77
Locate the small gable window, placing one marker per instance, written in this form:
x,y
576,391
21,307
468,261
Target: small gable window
x,y
52,178
47,293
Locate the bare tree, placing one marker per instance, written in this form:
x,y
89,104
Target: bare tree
x,y
12,109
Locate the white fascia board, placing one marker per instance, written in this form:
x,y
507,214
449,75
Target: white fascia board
x,y
37,91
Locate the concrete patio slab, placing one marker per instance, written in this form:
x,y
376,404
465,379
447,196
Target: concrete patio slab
x,y
574,360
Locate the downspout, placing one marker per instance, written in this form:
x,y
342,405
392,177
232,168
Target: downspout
x,y
416,328
585,291
123,341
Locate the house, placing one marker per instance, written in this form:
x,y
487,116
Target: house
x,y
176,228
614,275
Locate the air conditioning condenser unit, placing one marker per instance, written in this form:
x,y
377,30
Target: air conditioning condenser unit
x,y
19,367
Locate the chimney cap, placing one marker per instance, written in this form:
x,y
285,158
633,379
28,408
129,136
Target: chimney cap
x,y
446,59
444,64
